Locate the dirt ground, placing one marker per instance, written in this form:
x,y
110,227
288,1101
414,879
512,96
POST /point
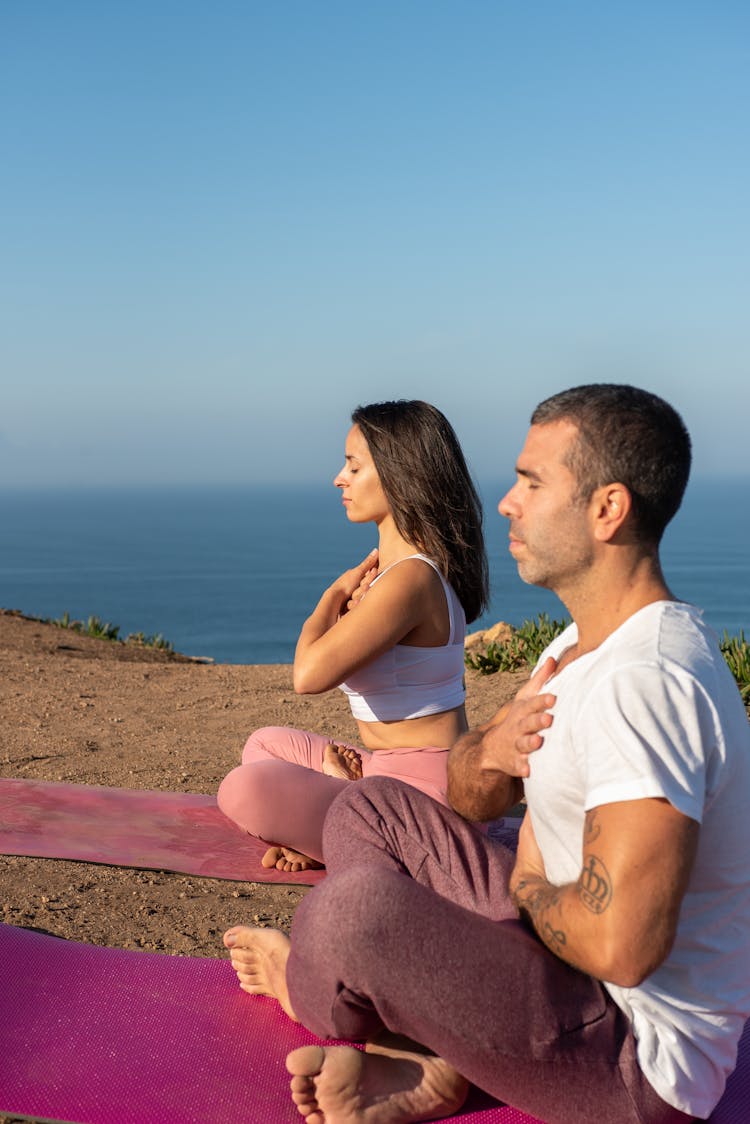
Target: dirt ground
x,y
89,711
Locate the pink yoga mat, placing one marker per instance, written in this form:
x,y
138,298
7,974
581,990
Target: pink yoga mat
x,y
131,827
164,831
102,1036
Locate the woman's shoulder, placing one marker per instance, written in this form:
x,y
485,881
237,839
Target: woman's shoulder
x,y
417,571
412,563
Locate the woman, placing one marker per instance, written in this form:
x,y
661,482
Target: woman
x,y
389,632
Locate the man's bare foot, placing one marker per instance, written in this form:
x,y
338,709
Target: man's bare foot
x,y
341,1085
288,860
259,958
341,761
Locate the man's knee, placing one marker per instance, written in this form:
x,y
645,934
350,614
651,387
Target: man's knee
x,y
371,799
354,909
365,822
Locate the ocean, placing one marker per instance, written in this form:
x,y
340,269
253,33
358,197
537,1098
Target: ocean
x,y
230,573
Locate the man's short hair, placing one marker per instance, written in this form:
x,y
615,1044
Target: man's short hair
x,y
627,436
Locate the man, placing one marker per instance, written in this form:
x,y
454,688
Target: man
x,y
605,972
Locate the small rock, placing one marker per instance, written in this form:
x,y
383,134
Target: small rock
x,y
499,633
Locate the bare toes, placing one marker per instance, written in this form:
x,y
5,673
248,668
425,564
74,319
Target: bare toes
x,y
271,858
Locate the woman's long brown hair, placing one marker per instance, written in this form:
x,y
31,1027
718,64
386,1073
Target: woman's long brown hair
x,y
433,499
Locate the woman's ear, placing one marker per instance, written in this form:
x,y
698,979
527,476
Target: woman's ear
x,y
612,506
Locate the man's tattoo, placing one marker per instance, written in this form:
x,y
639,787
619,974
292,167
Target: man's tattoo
x,y
540,898
591,827
554,938
595,885
535,898
533,909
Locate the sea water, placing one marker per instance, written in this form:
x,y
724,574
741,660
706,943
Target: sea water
x,y
231,573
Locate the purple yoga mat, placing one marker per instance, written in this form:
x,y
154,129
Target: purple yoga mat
x,y
103,1036
131,827
734,1106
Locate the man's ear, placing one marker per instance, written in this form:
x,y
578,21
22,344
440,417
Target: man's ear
x,y
611,505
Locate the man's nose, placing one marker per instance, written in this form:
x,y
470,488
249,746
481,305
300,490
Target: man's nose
x,y
508,505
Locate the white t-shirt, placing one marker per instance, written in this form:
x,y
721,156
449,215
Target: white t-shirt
x,y
654,712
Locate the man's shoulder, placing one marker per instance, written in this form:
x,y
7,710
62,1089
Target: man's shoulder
x,y
683,641
668,651
665,631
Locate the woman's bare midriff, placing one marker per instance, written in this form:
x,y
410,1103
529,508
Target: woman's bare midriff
x,y
434,730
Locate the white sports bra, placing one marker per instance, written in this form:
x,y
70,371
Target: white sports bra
x,y
411,682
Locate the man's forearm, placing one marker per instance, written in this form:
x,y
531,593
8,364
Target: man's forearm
x,y
618,921
569,926
476,792
486,765
538,903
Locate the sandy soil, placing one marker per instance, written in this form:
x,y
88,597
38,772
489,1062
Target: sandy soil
x,y
92,711
89,711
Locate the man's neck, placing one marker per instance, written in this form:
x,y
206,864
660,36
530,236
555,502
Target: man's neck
x,y
605,600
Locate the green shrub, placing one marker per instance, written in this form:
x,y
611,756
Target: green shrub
x,y
95,626
527,643
523,649
65,622
144,641
102,630
736,652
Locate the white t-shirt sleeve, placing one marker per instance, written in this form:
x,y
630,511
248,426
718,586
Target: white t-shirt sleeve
x,y
647,732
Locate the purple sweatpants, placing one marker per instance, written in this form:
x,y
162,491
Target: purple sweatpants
x,y
413,930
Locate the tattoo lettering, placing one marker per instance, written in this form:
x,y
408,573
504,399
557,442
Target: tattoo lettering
x,y
534,902
554,938
591,828
594,885
534,908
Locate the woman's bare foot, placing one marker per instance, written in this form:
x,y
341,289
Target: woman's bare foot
x,y
259,958
339,1085
288,860
341,761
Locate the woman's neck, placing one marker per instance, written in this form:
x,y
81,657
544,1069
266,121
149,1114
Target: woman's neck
x,y
392,546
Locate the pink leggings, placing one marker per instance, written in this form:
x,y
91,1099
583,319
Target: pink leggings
x,y
279,793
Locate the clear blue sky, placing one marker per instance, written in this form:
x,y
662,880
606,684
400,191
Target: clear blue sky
x,y
224,224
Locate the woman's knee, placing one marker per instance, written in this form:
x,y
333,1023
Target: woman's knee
x,y
244,798
263,741
284,743
228,795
